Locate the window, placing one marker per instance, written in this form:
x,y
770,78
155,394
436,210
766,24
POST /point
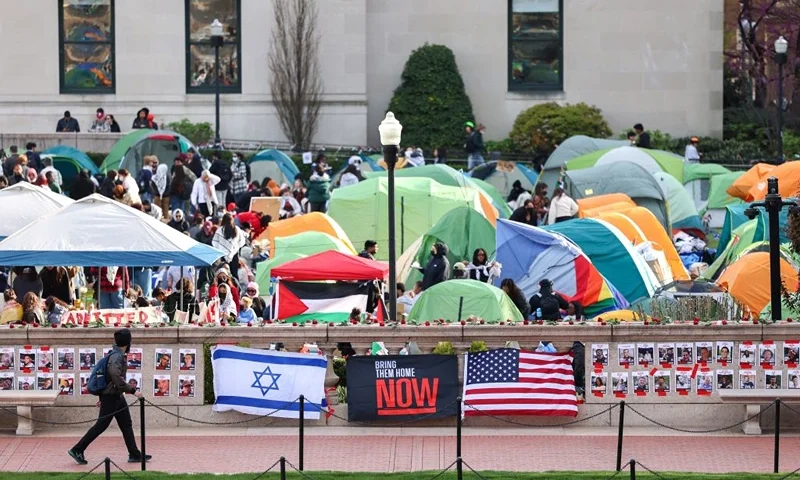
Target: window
x,y
86,41
535,45
200,77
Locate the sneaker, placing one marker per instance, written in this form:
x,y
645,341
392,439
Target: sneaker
x,y
138,458
77,456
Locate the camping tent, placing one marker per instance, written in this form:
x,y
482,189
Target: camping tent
x,y
499,202
331,265
419,204
734,216
741,239
96,231
442,174
367,166
529,255
69,161
273,164
463,230
718,198
309,243
131,149
741,187
612,255
457,300
23,203
697,181
682,211
502,175
651,160
620,177
600,201
573,147
310,222
748,280
264,270
788,175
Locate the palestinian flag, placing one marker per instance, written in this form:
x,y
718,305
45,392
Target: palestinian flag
x,y
324,302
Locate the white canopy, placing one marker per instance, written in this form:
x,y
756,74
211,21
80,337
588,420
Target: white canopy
x,y
97,231
23,203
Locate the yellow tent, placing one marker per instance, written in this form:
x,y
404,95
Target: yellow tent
x,y
747,280
310,222
621,316
603,200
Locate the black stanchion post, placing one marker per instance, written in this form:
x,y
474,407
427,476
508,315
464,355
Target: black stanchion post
x,y
459,421
283,468
142,424
777,435
633,469
619,434
107,462
302,418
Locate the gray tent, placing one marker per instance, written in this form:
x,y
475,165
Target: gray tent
x,y
621,177
573,147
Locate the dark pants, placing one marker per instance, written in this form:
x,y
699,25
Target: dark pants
x,y
562,219
108,405
234,267
204,209
318,206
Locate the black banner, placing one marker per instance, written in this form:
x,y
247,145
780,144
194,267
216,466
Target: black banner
x,y
402,387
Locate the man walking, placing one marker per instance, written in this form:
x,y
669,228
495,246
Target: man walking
x,y
221,169
113,403
474,145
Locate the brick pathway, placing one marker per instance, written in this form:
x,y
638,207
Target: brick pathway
x,y
395,451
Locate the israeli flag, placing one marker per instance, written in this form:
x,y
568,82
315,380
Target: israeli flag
x,y
266,382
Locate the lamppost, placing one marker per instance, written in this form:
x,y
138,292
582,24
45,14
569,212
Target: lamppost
x,y
781,47
773,204
216,42
390,130
747,28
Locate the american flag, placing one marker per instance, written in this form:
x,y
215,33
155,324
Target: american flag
x,y
508,381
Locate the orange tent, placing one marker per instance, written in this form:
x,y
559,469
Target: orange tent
x,y
602,200
747,280
611,207
655,233
310,222
788,176
741,187
625,225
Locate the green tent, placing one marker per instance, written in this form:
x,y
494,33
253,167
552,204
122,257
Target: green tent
x,y
651,160
503,210
742,237
264,268
699,171
450,177
620,177
115,156
573,147
463,230
308,243
682,212
734,217
361,210
718,190
131,149
612,254
456,300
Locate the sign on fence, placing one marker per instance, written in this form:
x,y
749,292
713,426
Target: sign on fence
x,y
110,316
402,386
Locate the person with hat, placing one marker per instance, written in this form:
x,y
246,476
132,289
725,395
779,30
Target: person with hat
x,y
547,304
100,124
459,271
113,403
474,145
691,154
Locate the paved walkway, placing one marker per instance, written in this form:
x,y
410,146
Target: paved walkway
x,y
190,450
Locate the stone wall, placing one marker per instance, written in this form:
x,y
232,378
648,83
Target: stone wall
x,y
87,142
692,410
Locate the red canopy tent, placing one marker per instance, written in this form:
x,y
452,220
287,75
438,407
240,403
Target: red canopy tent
x,y
331,265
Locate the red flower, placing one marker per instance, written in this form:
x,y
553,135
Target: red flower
x,y
382,324
482,321
571,322
222,323
646,322
11,325
524,322
24,323
314,322
541,322
249,324
294,324
55,325
789,319
35,325
755,321
502,323
147,325
403,321
696,321
463,322
116,324
603,323
724,322
427,324
269,322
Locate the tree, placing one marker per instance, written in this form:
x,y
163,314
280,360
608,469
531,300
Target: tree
x,y
431,102
296,80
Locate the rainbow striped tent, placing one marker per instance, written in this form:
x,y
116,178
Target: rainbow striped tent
x,y
529,254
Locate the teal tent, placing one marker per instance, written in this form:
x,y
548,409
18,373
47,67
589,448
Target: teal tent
x,y
69,161
573,147
273,164
734,217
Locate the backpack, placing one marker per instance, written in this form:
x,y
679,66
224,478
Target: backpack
x,y
144,184
98,379
550,307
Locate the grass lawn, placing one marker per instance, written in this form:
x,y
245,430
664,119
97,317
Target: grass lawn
x,y
395,476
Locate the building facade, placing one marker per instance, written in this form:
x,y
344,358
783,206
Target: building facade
x,y
648,61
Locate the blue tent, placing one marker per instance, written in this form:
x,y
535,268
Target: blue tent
x,y
99,232
273,164
502,175
69,161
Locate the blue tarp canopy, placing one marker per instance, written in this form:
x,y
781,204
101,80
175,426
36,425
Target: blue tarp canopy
x,y
99,232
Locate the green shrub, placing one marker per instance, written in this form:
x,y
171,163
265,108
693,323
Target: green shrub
x,y
791,144
504,146
478,346
97,158
541,128
431,102
208,372
340,369
198,133
444,348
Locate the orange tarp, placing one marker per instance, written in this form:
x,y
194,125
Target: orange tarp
x,y
741,187
310,222
747,280
788,176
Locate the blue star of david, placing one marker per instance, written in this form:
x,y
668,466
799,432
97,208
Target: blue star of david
x,y
273,377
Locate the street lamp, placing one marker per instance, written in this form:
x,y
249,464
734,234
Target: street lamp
x,y
781,47
390,130
747,28
216,42
773,204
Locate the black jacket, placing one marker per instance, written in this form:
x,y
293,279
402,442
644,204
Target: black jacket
x,y
173,304
83,187
107,187
520,214
223,171
34,160
117,364
68,125
438,268
474,142
196,166
644,140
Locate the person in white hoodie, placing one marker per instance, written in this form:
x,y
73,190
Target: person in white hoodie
x,y
562,208
204,195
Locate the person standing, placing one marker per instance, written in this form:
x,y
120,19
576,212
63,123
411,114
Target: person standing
x,y
222,170
145,176
160,188
370,250
11,161
562,208
229,239
438,268
141,119
643,138
525,214
474,145
34,160
319,189
690,154
67,124
113,403
239,178
204,196
83,186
